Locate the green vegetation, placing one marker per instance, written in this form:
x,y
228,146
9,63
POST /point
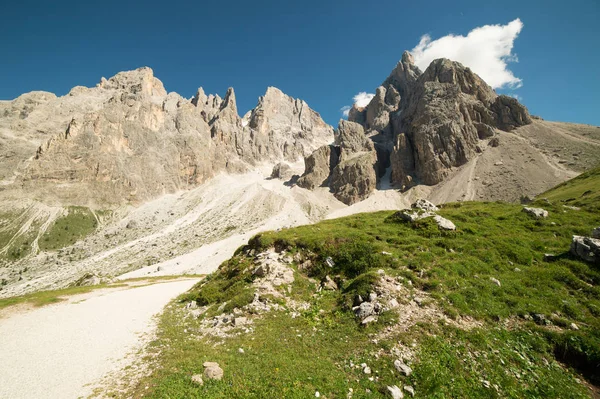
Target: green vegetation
x,y
581,192
511,322
68,229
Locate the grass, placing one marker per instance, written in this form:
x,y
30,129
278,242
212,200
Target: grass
x,y
68,229
581,191
506,355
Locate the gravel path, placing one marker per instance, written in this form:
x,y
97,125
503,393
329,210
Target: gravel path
x,y
63,350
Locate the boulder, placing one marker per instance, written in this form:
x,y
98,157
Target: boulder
x,y
212,371
282,171
402,368
413,215
536,212
596,232
329,284
364,310
395,392
586,248
197,379
444,223
425,205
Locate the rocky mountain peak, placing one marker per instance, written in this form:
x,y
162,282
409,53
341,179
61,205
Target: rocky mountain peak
x,y
139,81
407,58
404,75
128,140
423,124
443,70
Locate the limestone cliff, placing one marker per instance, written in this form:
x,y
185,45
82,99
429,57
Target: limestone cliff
x,y
127,139
426,123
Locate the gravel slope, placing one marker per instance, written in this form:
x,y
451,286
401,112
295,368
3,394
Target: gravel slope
x,y
63,350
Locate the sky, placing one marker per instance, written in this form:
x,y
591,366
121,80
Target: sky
x,y
328,53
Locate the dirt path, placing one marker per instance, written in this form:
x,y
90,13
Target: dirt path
x,y
63,350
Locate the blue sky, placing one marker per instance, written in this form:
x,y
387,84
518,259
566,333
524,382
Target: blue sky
x,y
324,52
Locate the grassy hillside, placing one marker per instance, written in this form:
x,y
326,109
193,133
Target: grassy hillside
x,y
481,311
584,191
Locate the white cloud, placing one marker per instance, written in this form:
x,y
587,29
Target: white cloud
x,y
346,110
487,50
363,99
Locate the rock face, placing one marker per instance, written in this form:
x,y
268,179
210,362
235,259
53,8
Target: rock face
x,y
348,166
127,140
318,167
427,123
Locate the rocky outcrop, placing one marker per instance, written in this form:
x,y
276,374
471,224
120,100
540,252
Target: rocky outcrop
x,y
348,166
586,248
128,140
354,178
426,124
281,171
318,167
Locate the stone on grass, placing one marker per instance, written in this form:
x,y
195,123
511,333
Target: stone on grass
x,y
586,248
444,223
425,205
536,212
402,367
495,281
212,371
197,379
413,216
410,390
364,310
329,284
395,392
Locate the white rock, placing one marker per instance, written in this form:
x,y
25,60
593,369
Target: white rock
x,y
444,223
402,367
197,379
410,390
367,370
536,212
395,392
213,371
425,205
495,281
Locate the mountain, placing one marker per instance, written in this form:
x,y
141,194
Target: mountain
x,y
127,140
125,179
429,127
